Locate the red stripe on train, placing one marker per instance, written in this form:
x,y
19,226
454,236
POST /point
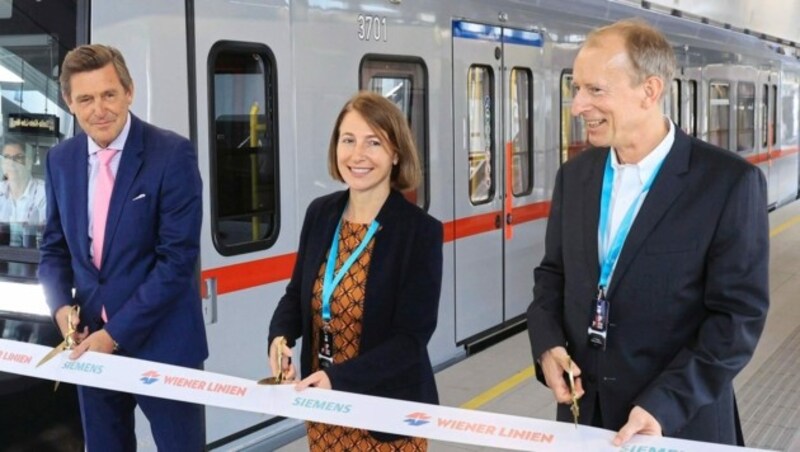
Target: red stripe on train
x,y
246,275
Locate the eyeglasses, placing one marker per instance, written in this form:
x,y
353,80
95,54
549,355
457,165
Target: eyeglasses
x,y
19,158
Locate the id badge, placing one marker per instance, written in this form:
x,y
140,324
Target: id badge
x,y
325,353
598,326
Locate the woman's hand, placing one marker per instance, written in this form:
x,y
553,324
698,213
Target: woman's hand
x,y
278,350
318,379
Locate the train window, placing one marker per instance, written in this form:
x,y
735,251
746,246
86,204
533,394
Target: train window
x,y
745,116
689,107
244,145
521,123
719,110
790,105
763,116
404,81
34,38
573,135
774,115
671,102
480,130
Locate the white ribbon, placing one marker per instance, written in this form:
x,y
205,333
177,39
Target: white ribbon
x,y
334,407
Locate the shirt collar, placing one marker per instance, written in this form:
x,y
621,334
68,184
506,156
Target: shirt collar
x,y
119,141
652,160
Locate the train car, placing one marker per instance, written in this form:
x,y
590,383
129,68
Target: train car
x,y
257,84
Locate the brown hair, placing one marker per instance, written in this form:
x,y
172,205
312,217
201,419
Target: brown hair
x,y
649,52
386,120
91,57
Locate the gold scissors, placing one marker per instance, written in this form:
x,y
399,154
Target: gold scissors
x,y
277,379
576,410
69,340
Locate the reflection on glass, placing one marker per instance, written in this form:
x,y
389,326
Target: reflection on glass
x,y
573,135
689,107
745,116
480,129
719,114
521,126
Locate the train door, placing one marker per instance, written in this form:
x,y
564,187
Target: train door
x,y
249,232
492,104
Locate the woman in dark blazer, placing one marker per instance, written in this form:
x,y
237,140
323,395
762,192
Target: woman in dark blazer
x,y
383,306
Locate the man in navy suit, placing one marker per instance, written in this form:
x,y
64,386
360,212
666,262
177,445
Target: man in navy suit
x,y
653,288
137,190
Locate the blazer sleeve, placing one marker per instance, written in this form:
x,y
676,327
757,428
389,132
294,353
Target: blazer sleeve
x,y
180,218
55,268
287,320
415,315
736,298
545,313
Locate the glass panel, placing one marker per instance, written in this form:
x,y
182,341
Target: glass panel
x,y
763,117
689,107
774,115
745,116
244,149
34,38
790,106
403,80
521,122
674,97
719,114
573,135
480,129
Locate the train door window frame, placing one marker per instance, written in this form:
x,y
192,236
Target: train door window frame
x,y
521,102
481,133
774,115
571,126
410,93
763,116
250,134
723,127
745,116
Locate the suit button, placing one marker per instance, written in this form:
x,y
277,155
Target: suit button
x,y
102,280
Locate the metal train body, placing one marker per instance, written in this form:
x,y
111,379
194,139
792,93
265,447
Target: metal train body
x,y
257,85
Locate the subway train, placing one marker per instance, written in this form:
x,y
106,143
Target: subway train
x,y
257,85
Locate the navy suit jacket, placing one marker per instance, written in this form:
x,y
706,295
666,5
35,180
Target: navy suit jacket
x,y
401,300
689,294
147,282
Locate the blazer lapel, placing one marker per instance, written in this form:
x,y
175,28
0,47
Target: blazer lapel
x,y
590,210
666,188
80,198
129,165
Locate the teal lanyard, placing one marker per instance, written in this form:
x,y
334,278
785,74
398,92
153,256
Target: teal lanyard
x,y
330,282
611,256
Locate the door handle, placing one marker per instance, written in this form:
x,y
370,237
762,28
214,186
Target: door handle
x,y
497,221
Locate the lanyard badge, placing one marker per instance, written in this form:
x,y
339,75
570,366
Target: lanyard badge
x,y
598,326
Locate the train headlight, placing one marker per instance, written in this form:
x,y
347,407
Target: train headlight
x,y
23,299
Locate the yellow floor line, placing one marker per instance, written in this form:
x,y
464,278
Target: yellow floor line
x,y
783,227
499,389
518,378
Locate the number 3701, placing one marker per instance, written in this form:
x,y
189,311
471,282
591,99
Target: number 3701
x,y
372,28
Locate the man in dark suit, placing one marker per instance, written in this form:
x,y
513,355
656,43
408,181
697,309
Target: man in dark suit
x,y
663,236
124,210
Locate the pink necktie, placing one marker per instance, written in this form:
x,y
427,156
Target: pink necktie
x,y
103,186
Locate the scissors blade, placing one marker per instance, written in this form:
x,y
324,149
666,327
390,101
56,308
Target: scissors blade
x,y
55,351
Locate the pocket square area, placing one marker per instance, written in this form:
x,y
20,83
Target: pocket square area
x,y
139,196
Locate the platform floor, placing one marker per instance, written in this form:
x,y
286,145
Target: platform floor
x,y
500,378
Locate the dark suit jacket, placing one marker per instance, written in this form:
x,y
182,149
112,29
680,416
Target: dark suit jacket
x,y
147,282
400,307
689,295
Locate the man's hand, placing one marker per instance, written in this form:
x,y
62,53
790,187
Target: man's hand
x,y
639,422
63,318
318,379
99,341
554,363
